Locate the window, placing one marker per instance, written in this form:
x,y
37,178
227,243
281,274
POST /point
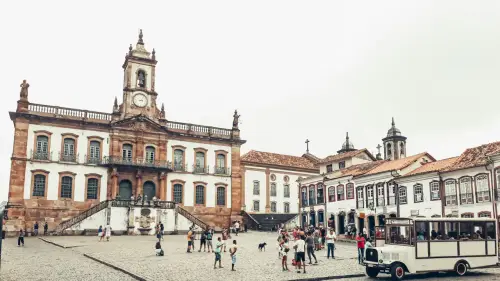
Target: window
x,y
312,195
466,191
286,208
141,79
200,195
467,215
273,189
177,193
391,192
402,149
474,230
68,150
256,206
402,195
220,167
360,202
482,188
179,160
450,192
340,192
273,207
380,194
256,188
484,215
127,152
498,181
418,192
350,190
321,194
39,185
435,194
92,188
342,165
66,187
286,191
331,194
94,152
221,196
389,150
150,154
369,197
42,148
200,162
304,196
329,168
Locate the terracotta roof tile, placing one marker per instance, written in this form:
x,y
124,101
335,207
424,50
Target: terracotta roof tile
x,y
345,155
269,158
473,157
397,164
433,166
359,169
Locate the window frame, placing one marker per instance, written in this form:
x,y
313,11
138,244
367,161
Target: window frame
x,y
340,192
34,173
182,183
183,164
286,187
304,196
258,205
196,169
318,187
223,186
415,187
329,168
197,184
59,192
334,194
380,187
358,199
217,169
349,187
405,190
35,141
446,195
460,180
484,191
256,187
438,190
132,152
275,207
273,190
145,86
312,188
98,192
480,214
341,166
69,158
467,215
93,160
154,148
286,208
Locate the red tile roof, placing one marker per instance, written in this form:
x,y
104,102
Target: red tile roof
x,y
398,164
435,166
345,155
359,169
473,157
268,158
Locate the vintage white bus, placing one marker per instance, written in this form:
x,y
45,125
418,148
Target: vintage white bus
x,y
418,245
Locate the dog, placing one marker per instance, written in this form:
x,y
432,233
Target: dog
x,y
262,246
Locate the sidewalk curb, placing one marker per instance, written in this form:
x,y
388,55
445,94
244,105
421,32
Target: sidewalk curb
x,y
329,277
136,277
53,243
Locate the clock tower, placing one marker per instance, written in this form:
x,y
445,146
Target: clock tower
x,y
139,95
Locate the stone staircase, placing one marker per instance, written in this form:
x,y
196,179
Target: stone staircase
x,y
196,221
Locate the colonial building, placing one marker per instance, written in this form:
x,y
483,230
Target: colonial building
x,y
67,160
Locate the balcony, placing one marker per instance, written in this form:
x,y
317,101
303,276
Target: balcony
x,y
179,168
41,156
124,162
380,202
92,160
200,170
71,158
451,200
222,171
150,203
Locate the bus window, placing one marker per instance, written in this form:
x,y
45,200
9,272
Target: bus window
x,y
451,230
400,235
444,230
422,229
490,230
473,230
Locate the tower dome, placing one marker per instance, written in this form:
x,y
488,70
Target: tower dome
x,y
394,143
393,131
347,145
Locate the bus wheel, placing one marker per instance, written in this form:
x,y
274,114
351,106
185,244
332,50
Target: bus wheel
x,y
461,268
397,271
372,272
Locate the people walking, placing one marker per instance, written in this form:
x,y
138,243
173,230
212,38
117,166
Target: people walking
x,y
108,232
330,243
20,238
45,228
100,234
300,246
237,227
162,229
190,240
35,228
360,239
310,248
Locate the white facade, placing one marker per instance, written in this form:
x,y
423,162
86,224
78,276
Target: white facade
x,y
423,197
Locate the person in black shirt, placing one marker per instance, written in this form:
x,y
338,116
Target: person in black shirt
x,y
36,228
203,241
162,228
45,228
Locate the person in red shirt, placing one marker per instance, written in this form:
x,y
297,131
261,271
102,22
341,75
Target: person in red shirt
x,y
360,239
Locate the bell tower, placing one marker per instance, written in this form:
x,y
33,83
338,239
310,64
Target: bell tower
x,y
394,143
139,95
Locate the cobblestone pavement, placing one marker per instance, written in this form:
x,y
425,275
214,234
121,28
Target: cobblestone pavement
x,y
38,260
136,255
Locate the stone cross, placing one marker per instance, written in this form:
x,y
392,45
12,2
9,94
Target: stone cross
x,y
307,145
379,147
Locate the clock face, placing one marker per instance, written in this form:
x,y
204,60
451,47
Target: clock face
x,y
140,100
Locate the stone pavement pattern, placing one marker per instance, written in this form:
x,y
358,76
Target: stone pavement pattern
x,y
136,255
38,261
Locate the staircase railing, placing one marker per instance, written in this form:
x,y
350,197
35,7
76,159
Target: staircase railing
x,y
251,219
80,217
191,217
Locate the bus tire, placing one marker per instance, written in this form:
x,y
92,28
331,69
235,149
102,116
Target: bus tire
x,y
461,268
397,271
372,272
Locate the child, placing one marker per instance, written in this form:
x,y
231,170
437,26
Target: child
x,y
232,251
285,249
158,249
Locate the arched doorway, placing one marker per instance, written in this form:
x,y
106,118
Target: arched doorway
x,y
149,190
371,226
381,220
304,220
341,223
312,220
361,222
331,221
321,217
125,190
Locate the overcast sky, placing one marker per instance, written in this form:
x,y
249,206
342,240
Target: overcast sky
x,y
293,69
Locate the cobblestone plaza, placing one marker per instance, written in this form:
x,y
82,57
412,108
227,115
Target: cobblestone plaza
x,y
68,259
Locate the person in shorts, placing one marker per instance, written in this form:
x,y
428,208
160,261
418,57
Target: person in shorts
x,y
217,251
232,251
224,238
209,233
203,241
190,241
300,246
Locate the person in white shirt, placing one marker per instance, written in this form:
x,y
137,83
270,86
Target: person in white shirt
x,y
237,227
368,244
300,246
330,242
107,231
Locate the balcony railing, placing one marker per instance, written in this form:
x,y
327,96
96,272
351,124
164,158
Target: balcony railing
x,y
58,111
222,171
200,170
73,158
321,200
92,160
370,203
150,203
380,202
138,162
179,168
43,156
451,200
312,201
361,203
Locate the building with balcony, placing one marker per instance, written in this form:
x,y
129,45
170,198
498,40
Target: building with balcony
x,y
67,160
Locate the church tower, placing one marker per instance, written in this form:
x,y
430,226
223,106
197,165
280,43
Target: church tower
x,y
139,95
394,144
347,145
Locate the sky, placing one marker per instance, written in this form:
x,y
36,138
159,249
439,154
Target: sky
x,y
294,70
